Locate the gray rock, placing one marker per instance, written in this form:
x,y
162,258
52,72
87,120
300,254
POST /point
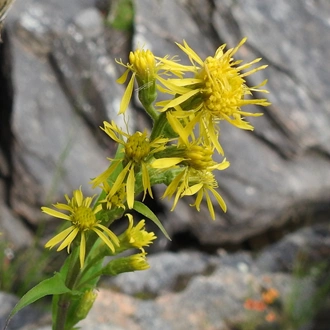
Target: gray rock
x,y
309,245
38,25
276,172
88,78
210,302
156,28
214,300
292,39
90,22
13,230
54,152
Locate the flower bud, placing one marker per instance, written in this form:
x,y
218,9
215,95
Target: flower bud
x,y
126,264
85,304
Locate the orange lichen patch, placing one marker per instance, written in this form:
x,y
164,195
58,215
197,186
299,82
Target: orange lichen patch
x,y
270,295
256,305
271,317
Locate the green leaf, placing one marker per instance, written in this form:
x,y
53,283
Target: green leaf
x,y
144,210
51,286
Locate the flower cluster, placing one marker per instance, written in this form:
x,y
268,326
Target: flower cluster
x,y
186,133
179,151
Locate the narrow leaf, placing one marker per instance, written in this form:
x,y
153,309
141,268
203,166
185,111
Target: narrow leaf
x,y
144,210
50,286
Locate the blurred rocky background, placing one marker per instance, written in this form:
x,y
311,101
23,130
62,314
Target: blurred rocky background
x,y
57,85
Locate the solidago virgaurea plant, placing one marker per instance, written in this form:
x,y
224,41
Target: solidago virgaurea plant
x,y
178,152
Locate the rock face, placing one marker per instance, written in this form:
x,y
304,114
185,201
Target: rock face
x,y
198,291
279,171
64,83
57,78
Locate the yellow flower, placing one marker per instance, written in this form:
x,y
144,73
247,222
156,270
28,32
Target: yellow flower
x,y
146,69
216,92
137,152
195,158
191,152
190,182
136,236
83,220
113,199
201,183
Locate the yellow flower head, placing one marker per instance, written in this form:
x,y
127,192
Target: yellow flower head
x,y
113,199
136,236
195,159
137,152
146,69
217,91
83,220
191,152
143,63
201,183
191,181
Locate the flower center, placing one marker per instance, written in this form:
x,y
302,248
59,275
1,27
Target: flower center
x,y
223,87
84,218
205,177
118,198
199,157
137,147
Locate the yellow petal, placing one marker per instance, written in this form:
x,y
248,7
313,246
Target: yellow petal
x,y
59,237
112,236
146,181
69,239
62,206
210,205
127,95
105,239
79,197
219,199
191,53
179,100
82,250
193,189
55,213
166,162
120,178
130,187
185,81
123,77
173,85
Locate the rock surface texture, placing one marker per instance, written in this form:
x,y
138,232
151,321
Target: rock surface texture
x,y
58,84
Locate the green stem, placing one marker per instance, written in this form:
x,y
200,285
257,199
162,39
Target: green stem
x,y
89,279
65,299
151,111
159,126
